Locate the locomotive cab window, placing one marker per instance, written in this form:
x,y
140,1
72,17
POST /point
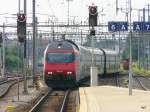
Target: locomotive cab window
x,y
60,57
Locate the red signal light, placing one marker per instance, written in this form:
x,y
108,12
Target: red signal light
x,y
93,10
21,17
93,16
21,27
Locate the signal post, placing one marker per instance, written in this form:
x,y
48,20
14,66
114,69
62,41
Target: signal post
x,y
21,32
93,22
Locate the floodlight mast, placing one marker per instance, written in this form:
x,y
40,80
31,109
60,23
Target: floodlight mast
x,y
130,42
130,58
34,34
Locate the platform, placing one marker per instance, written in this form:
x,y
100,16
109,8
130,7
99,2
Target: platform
x,y
113,99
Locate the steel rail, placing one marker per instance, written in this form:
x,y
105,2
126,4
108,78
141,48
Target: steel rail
x,y
7,81
142,85
145,78
7,89
35,107
65,99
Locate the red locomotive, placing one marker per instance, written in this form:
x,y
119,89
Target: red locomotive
x,y
66,63
126,64
60,64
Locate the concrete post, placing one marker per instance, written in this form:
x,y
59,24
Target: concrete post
x,y
94,76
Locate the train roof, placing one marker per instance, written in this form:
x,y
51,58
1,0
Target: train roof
x,y
110,51
65,45
99,51
70,45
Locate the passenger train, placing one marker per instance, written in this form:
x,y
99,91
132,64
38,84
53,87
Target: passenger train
x,y
66,63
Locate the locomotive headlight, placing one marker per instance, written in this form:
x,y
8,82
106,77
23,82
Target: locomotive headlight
x,y
50,72
69,73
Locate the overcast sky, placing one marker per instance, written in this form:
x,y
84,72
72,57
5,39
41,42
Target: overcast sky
x,y
78,9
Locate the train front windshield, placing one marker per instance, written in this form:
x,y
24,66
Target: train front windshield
x,y
60,57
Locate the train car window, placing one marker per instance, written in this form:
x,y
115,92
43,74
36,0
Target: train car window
x,y
60,57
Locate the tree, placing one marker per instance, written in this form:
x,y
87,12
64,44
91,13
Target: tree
x,y
12,58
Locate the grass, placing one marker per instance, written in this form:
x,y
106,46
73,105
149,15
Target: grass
x,y
135,69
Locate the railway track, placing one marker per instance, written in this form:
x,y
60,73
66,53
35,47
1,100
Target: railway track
x,y
55,101
112,80
144,82
2,80
5,85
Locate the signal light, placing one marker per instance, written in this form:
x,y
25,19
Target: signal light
x,y
92,32
93,16
21,27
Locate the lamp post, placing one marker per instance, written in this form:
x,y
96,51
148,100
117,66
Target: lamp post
x,y
130,58
34,34
25,73
130,42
